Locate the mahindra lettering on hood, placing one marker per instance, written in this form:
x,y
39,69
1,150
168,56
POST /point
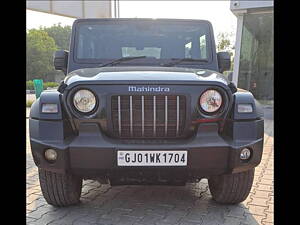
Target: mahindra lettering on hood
x,y
148,89
145,102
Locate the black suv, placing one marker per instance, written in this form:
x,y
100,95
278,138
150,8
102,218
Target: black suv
x,y
144,101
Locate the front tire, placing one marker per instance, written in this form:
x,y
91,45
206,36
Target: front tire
x,y
231,188
60,189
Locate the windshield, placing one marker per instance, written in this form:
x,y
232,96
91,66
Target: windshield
x,y
155,40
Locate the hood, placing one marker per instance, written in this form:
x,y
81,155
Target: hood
x,y
144,74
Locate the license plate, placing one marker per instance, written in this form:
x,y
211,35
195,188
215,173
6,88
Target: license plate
x,y
152,158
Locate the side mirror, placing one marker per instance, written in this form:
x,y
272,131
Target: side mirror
x,y
224,62
60,60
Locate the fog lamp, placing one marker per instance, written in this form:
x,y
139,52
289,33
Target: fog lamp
x,y
245,154
51,155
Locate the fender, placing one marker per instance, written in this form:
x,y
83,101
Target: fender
x,y
48,126
245,126
46,97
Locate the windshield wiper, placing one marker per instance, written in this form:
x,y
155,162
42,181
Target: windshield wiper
x,y
116,61
179,60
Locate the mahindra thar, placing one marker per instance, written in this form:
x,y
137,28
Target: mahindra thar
x,y
145,101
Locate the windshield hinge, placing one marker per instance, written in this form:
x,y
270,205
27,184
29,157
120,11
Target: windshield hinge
x,y
232,87
62,87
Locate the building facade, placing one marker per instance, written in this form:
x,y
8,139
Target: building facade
x,y
254,48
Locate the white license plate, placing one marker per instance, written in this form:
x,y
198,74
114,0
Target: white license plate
x,y
152,158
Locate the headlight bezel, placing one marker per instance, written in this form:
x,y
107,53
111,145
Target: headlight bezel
x,y
220,110
75,109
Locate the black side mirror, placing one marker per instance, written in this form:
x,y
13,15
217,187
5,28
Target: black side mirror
x,y
224,62
60,60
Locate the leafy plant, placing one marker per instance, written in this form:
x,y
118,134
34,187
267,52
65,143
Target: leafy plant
x,y
39,49
40,46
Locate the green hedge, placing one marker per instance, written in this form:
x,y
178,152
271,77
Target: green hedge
x,y
50,84
30,86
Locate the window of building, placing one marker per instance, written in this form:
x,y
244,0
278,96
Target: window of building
x,y
256,69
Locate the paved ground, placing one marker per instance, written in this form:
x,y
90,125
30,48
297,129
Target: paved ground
x,y
30,97
159,205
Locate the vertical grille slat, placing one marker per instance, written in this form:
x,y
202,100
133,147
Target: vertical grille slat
x,y
119,115
154,116
177,115
166,115
131,123
148,116
143,116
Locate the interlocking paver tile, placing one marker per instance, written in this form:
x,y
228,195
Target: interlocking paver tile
x,y
138,213
191,223
235,211
30,220
194,216
271,199
68,219
127,220
174,217
261,194
89,218
259,202
270,209
150,219
212,220
257,210
269,219
263,187
232,221
252,219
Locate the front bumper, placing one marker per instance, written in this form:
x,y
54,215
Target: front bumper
x,y
91,154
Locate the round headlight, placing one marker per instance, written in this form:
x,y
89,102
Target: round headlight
x,y
211,101
84,101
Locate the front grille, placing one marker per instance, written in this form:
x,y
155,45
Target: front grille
x,y
148,116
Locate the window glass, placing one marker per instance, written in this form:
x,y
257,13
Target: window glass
x,y
256,69
133,51
202,42
158,40
187,50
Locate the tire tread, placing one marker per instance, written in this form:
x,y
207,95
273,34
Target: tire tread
x,y
60,189
231,188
